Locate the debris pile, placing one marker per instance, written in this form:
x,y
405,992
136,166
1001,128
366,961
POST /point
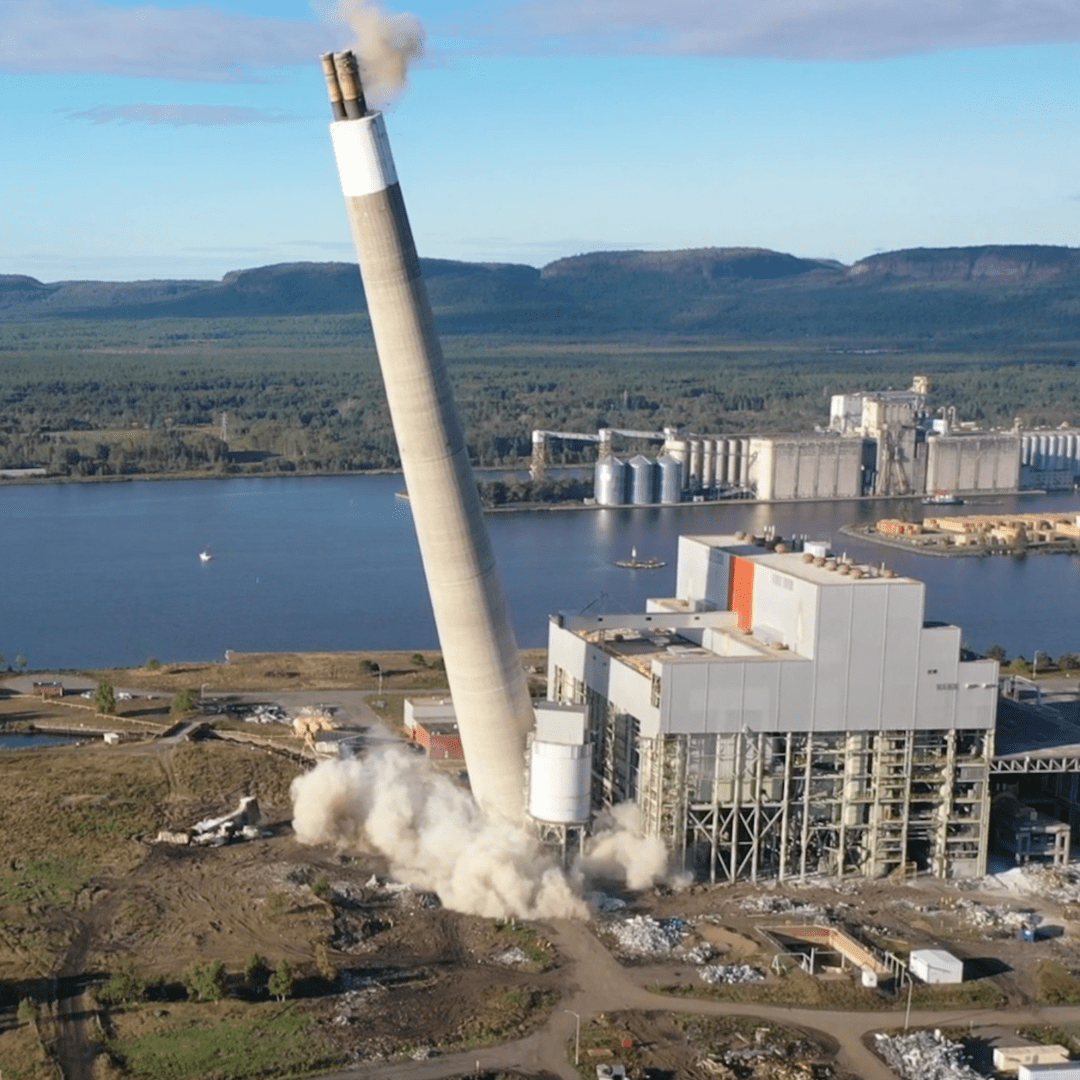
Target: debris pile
x,y
925,1055
701,953
642,935
241,824
267,714
512,957
781,905
730,974
1004,921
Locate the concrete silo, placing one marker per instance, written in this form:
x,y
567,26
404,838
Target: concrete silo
x,y
483,667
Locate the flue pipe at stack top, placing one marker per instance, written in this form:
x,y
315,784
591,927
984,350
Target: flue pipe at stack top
x,y
352,91
333,87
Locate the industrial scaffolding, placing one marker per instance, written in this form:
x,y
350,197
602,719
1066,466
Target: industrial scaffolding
x,y
780,805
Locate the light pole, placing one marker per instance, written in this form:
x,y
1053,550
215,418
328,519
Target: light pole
x,y
202,693
910,990
577,1035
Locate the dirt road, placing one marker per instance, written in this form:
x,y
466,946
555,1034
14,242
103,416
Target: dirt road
x,y
600,984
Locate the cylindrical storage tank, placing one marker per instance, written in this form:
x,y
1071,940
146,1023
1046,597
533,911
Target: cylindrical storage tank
x,y
708,463
732,476
642,480
744,462
1070,448
694,478
1044,451
1059,451
670,479
1025,450
720,473
609,486
559,782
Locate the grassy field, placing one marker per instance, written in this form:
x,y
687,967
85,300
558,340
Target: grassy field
x,y
796,988
218,1041
255,672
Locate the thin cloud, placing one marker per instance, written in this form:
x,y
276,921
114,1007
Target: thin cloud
x,y
200,44
780,29
180,115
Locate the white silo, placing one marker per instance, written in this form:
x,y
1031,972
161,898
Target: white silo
x,y
670,479
560,766
694,479
609,486
720,473
642,480
708,463
732,476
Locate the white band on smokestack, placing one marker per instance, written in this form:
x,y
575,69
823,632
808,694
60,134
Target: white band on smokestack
x,y
364,161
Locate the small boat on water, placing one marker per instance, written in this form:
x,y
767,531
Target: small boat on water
x,y
636,563
943,498
204,555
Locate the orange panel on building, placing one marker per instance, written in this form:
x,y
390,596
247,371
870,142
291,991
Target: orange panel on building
x,y
741,591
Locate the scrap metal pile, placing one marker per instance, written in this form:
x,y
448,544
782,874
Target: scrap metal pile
x,y
925,1055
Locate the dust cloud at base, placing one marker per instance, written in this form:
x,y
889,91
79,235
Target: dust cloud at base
x,y
436,838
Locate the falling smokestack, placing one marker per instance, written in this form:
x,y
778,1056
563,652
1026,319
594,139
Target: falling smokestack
x,y
483,667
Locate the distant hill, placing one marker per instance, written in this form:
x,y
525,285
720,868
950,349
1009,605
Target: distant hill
x,y
974,295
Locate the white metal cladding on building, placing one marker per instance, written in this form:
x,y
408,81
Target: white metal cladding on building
x,y
780,717
483,666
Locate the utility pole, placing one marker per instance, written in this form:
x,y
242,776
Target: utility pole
x,y
577,1035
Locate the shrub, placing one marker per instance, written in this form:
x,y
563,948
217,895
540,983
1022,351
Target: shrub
x,y
206,982
321,887
105,698
29,1011
183,702
257,972
152,663
323,964
124,987
281,982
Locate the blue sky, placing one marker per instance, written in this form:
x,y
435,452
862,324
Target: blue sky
x,y
145,139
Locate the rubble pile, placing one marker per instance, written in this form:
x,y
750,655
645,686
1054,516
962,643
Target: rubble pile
x,y
729,974
267,714
781,905
512,957
697,954
1002,920
924,1055
642,935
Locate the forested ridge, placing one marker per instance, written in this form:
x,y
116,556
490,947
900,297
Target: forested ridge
x,y
112,379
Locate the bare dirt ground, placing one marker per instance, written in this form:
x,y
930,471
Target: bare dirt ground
x,y
389,984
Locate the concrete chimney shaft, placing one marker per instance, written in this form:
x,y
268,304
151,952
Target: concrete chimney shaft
x,y
483,666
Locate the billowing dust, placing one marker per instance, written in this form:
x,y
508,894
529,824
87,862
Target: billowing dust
x,y
438,839
385,46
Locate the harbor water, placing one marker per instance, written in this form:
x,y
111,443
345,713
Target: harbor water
x,y
109,574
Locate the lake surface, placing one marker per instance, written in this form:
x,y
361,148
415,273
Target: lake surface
x,y
109,573
19,741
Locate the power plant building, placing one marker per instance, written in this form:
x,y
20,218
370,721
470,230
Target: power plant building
x,y
786,714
